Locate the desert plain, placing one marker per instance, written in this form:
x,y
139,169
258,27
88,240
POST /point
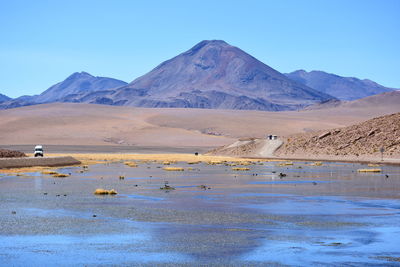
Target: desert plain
x,y
102,125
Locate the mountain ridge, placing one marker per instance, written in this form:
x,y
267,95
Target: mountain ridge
x,y
343,88
4,98
73,87
214,74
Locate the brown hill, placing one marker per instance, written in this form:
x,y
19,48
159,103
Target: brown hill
x,y
363,139
389,100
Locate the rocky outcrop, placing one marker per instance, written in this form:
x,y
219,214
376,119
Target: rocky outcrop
x,y
367,138
6,153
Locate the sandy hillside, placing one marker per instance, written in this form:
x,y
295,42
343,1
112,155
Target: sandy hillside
x,y
85,124
362,139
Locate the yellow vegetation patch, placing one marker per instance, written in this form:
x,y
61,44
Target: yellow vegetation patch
x,y
111,157
112,192
193,162
241,169
318,163
215,162
23,170
369,170
101,191
373,165
230,164
131,164
237,230
285,164
60,175
49,172
167,187
173,169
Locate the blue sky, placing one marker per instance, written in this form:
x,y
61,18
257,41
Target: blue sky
x,y
43,42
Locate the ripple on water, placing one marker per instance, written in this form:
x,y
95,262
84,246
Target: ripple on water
x,y
65,250
143,197
289,182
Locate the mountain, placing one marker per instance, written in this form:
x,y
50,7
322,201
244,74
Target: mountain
x,y
4,98
343,88
70,90
212,74
76,85
215,75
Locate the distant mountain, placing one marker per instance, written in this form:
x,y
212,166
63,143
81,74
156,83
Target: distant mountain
x,y
390,101
70,90
76,85
4,98
212,74
343,88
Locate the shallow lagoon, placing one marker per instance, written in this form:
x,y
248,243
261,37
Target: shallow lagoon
x,y
327,215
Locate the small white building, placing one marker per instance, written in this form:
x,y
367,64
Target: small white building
x,y
272,137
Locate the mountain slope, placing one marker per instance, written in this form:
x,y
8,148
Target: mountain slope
x,y
213,74
70,90
343,88
4,98
77,84
390,101
366,138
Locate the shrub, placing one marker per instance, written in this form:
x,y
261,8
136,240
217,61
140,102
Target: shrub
x,y
241,169
173,169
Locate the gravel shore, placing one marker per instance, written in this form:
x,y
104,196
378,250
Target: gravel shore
x,y
30,162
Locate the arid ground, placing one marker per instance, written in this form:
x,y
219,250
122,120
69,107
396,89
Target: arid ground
x,y
99,125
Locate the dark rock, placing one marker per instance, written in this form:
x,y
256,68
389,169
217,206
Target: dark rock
x,y
324,135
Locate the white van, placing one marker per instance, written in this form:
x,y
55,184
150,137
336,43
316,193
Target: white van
x,y
38,151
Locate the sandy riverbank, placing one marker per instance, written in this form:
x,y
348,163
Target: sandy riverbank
x,y
349,159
